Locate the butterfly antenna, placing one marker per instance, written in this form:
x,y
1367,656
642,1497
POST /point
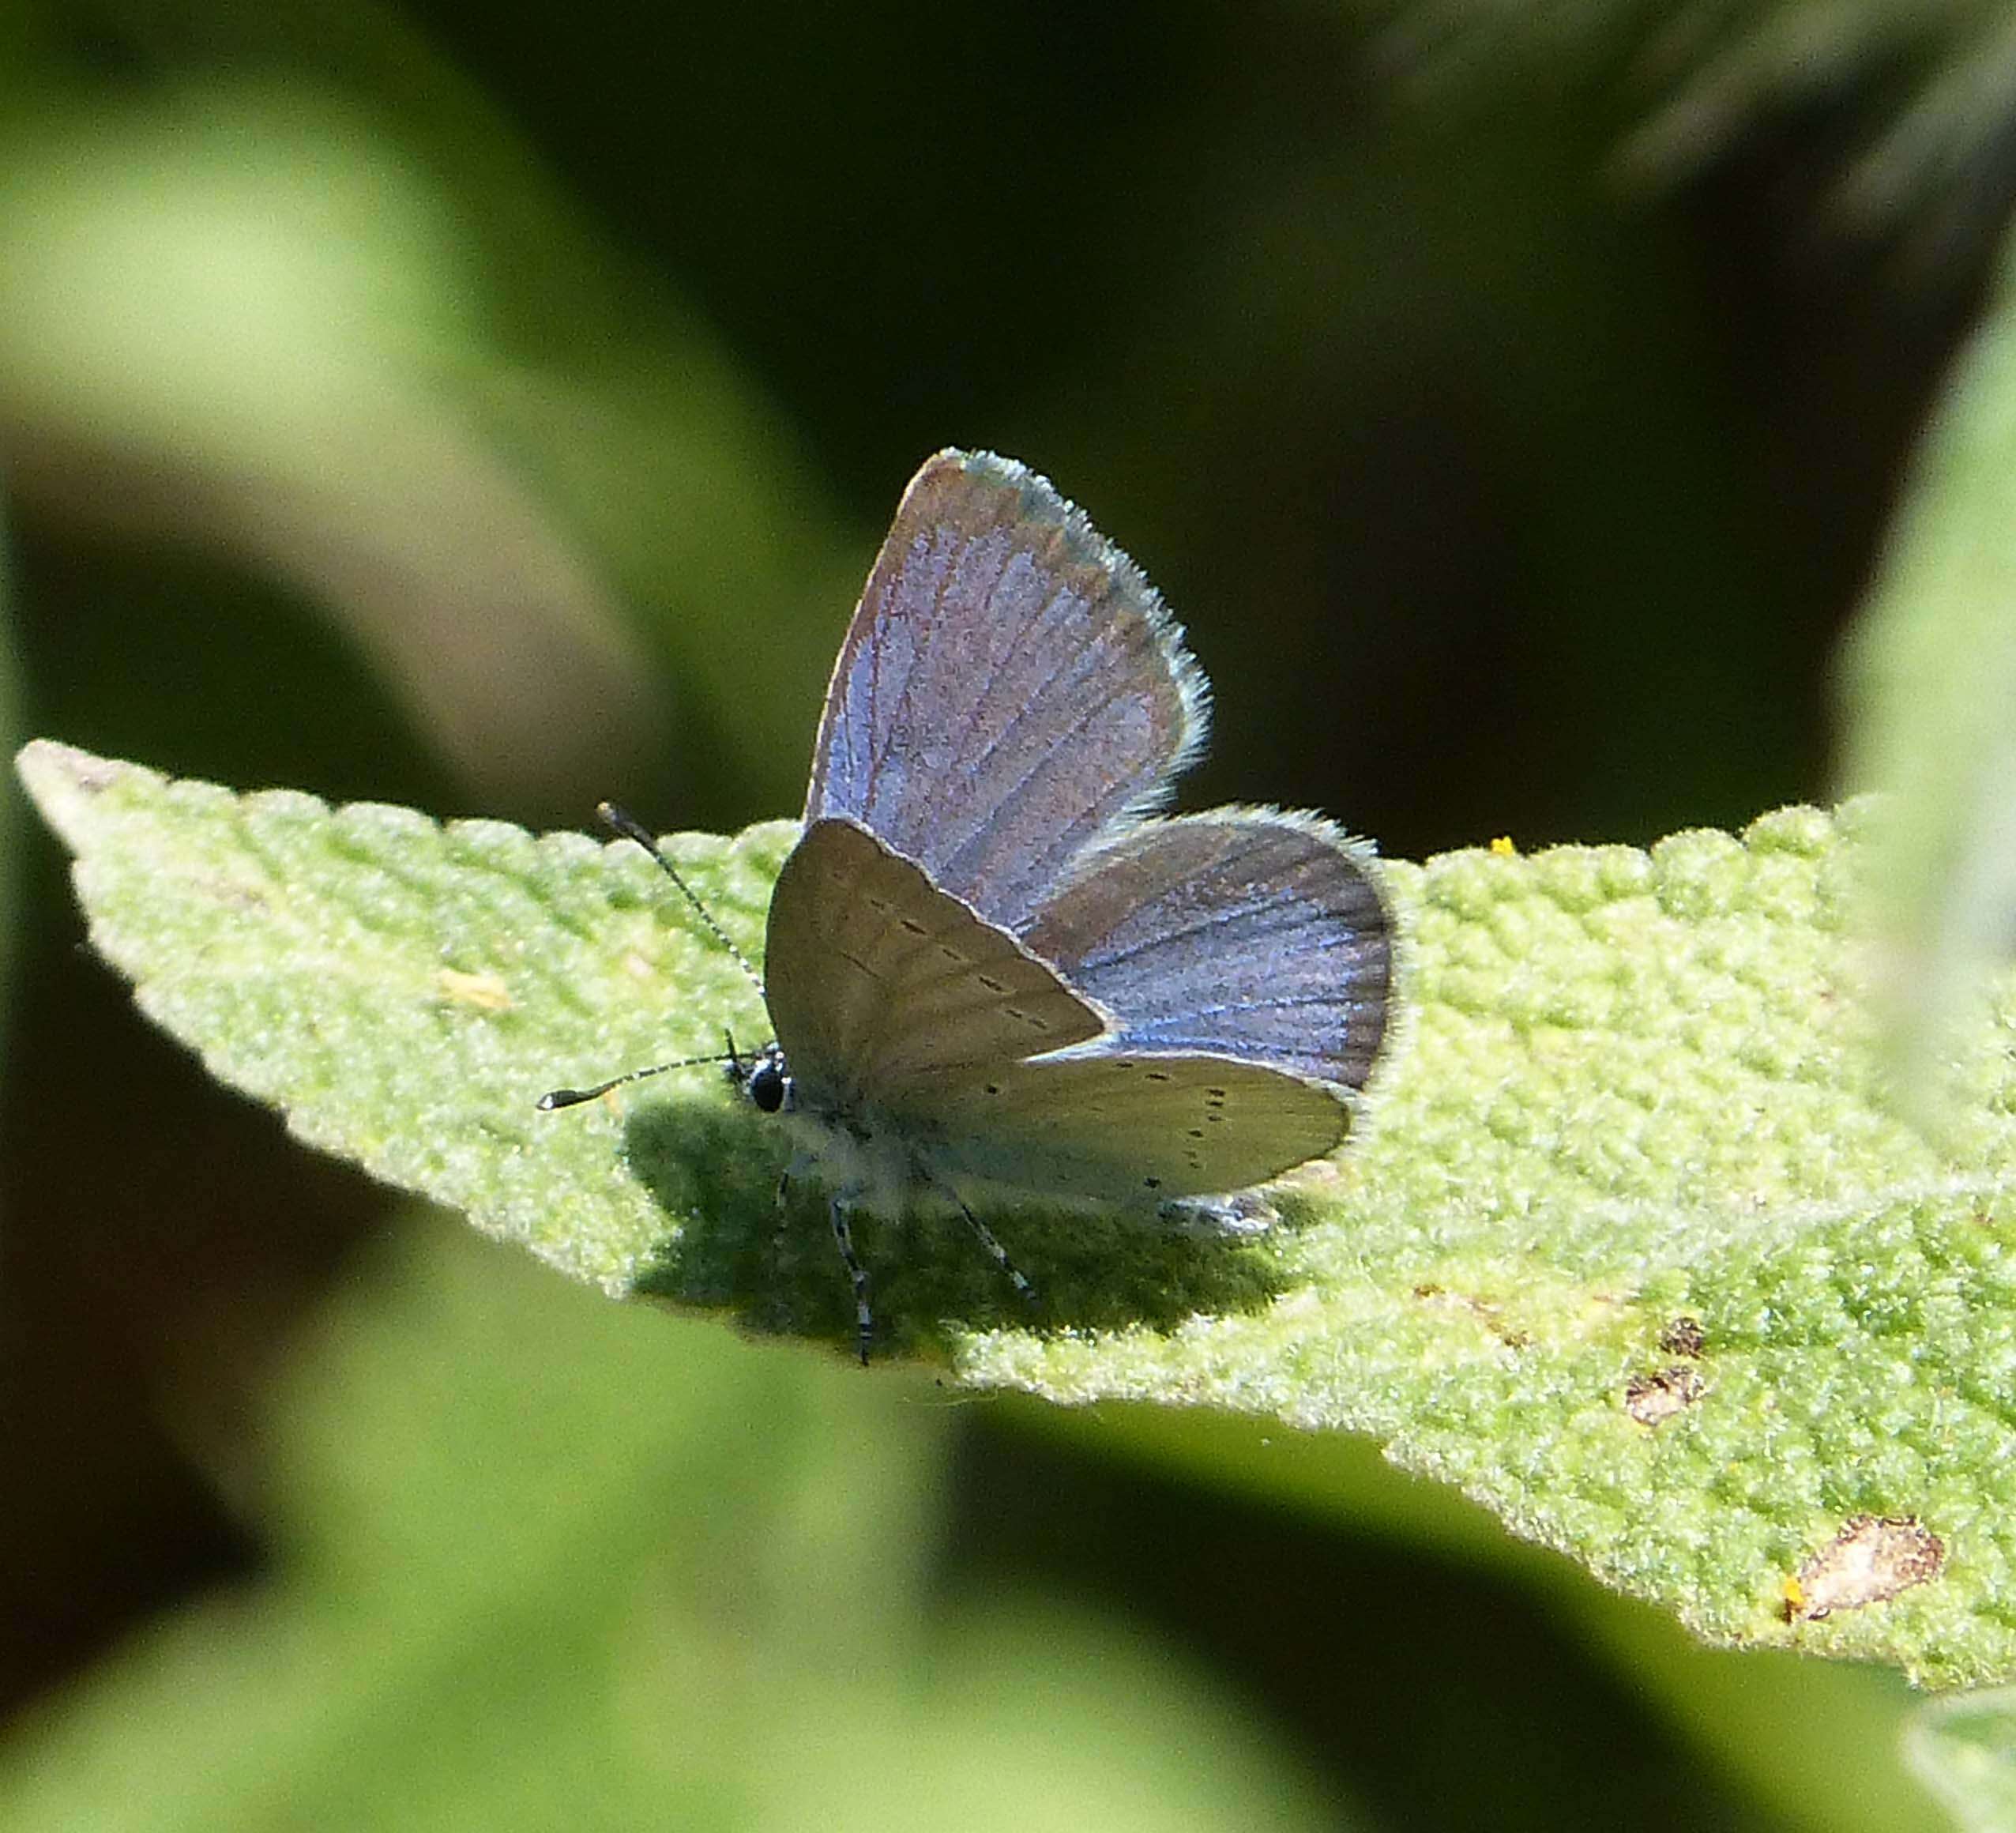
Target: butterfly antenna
x,y
630,828
572,1098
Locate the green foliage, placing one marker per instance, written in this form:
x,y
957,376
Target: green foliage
x,y
1635,1252
511,1595
1932,75
299,290
1930,673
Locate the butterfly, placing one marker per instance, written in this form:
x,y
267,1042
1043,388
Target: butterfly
x,y
989,963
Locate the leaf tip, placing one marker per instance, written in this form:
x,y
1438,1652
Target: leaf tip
x,y
64,782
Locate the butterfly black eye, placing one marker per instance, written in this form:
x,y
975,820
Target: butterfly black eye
x,y
766,1084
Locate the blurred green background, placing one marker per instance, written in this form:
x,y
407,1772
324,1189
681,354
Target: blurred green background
x,y
493,412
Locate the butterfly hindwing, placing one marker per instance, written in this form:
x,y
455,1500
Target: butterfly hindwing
x,y
1254,936
1126,1128
1010,688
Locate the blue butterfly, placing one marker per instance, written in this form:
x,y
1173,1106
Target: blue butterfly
x,y
989,965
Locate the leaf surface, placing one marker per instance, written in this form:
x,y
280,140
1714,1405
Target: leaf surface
x,y
1635,1251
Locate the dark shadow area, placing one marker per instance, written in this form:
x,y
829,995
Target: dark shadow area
x,y
715,1166
1431,1693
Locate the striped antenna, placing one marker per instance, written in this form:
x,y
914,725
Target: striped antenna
x,y
572,1098
628,827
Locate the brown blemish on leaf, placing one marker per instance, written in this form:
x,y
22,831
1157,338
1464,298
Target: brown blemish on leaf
x,y
1873,1558
1652,1399
1682,1336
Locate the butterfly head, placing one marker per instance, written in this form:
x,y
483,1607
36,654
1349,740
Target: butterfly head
x,y
765,1078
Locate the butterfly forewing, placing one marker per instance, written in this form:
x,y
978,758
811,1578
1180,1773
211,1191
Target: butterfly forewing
x,y
882,988
1260,937
1009,687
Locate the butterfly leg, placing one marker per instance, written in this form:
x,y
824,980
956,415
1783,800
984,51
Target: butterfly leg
x,y
781,1234
784,1212
989,1241
864,1320
799,1166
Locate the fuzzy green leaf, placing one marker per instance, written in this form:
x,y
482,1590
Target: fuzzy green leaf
x,y
1634,1252
1927,677
504,1593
